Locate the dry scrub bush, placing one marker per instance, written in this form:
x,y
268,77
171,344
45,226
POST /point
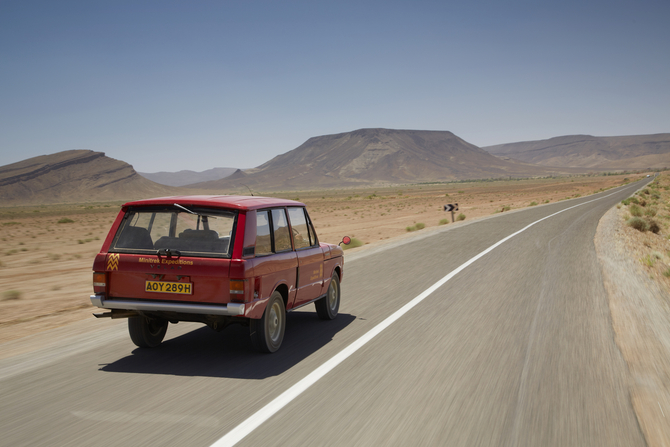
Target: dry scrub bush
x,y
418,226
635,210
638,223
355,242
654,227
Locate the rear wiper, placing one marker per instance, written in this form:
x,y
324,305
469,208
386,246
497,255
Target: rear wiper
x,y
194,213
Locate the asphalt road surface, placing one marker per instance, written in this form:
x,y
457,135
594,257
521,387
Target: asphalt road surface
x,y
515,349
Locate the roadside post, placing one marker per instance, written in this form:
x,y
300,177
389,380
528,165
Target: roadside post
x,y
451,207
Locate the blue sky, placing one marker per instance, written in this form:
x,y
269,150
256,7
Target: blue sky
x,y
167,85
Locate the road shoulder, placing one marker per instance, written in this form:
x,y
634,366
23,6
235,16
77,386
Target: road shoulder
x,y
640,309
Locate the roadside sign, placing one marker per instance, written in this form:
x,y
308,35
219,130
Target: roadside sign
x,y
451,207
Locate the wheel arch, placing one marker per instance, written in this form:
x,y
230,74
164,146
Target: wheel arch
x,y
283,290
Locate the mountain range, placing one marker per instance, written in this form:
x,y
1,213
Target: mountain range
x,y
586,151
364,157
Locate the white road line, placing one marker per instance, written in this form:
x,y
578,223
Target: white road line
x,y
250,424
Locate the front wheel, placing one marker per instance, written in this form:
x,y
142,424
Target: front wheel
x,y
268,332
328,306
147,332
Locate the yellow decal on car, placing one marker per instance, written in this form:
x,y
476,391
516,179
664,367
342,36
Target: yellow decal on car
x,y
113,261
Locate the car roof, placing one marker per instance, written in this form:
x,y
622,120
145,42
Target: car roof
x,y
230,202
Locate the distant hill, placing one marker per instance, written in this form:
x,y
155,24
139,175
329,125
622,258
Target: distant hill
x,y
376,156
73,176
586,151
186,177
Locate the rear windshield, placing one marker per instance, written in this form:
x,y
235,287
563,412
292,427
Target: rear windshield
x,y
191,231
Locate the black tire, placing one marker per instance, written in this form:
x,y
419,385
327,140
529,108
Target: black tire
x,y
268,332
147,332
328,306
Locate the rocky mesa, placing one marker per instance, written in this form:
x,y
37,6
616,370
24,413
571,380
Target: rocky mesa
x,y
73,176
376,156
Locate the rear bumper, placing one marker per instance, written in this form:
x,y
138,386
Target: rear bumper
x,y
230,309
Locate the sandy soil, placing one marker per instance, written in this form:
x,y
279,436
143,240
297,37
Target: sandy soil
x,y
45,266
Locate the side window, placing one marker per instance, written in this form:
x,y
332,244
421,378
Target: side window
x,y
280,230
299,226
263,241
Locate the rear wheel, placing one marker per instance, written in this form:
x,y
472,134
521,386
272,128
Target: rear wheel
x,y
147,332
268,332
328,306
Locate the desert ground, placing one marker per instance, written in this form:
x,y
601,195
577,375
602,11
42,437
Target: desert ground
x,y
47,251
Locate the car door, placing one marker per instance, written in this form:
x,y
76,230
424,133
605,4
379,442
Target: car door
x,y
310,257
276,262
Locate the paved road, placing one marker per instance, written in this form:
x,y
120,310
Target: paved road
x,y
515,350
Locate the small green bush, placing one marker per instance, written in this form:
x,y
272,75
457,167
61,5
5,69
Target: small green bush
x,y
533,203
355,242
11,295
443,221
638,223
460,217
65,220
418,226
651,212
635,210
648,261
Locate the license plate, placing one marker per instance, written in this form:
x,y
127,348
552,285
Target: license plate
x,y
184,288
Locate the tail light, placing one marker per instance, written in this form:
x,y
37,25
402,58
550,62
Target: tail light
x,y
237,290
99,281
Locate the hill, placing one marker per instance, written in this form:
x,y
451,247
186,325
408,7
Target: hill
x,y
376,156
586,151
73,176
186,177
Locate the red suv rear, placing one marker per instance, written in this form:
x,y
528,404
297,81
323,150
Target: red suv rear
x,y
216,260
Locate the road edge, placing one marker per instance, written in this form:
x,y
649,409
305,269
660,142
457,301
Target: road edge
x,y
640,315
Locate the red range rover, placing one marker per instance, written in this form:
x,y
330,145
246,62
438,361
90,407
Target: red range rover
x,y
216,260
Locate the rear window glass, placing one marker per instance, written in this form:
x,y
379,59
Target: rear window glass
x,y
200,232
280,229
